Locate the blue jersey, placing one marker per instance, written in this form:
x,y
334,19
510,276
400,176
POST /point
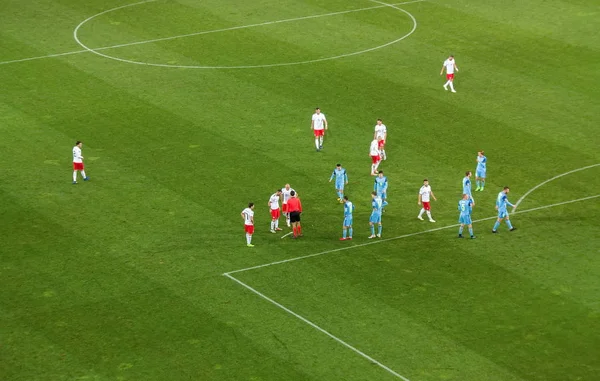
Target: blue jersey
x,y
377,205
502,202
340,176
465,207
481,163
380,185
348,208
467,186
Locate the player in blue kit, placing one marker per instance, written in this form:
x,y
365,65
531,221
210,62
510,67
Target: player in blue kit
x,y
501,204
347,227
380,187
480,171
467,186
465,209
341,178
377,204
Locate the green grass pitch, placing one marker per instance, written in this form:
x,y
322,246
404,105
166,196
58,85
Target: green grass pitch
x,y
121,278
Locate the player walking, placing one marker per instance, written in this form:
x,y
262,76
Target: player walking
x,y
501,204
450,66
466,183
294,209
285,192
318,125
347,226
274,205
375,218
424,194
381,136
380,187
248,216
78,162
465,209
480,171
341,178
375,158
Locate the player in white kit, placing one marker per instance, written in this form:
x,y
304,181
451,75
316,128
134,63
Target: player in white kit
x,y
450,66
318,125
424,195
274,206
381,136
285,193
78,162
375,158
248,217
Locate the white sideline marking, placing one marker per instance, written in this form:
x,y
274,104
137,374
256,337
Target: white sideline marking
x,y
552,179
401,236
366,356
192,34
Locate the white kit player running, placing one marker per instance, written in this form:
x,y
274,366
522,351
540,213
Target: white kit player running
x,y
285,192
375,158
381,136
424,197
318,125
450,66
274,206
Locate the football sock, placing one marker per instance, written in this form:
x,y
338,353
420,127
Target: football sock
x,y
509,224
460,229
248,238
372,230
344,232
471,231
350,232
482,184
451,85
295,231
373,167
421,212
276,224
383,153
272,225
299,229
83,174
429,214
447,83
74,175
320,140
317,143
379,229
478,183
496,225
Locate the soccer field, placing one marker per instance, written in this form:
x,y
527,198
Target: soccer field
x,y
190,109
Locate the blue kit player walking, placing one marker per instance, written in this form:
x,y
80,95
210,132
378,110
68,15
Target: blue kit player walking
x,y
467,186
341,178
465,209
501,204
380,187
480,171
377,204
347,227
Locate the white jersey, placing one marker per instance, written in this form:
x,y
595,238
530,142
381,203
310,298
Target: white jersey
x,y
425,193
318,120
380,131
77,158
274,201
286,194
449,65
248,215
374,151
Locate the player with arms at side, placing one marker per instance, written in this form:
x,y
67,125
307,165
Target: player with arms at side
x,y
375,158
380,187
450,66
465,209
341,178
466,184
480,171
375,218
347,226
424,195
318,125
78,162
274,206
295,208
381,136
285,192
501,206
248,217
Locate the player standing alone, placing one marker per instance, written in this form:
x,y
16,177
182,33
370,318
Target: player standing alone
x,y
480,171
285,191
347,226
274,205
381,136
78,162
318,125
450,66
248,216
341,178
424,194
501,204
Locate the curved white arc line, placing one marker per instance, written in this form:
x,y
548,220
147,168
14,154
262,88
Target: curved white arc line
x,y
552,179
95,51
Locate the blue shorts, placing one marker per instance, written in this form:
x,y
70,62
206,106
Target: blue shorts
x,y
381,194
339,185
502,214
464,220
348,221
480,173
375,218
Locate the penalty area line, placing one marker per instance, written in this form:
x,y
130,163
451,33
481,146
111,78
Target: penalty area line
x,y
400,236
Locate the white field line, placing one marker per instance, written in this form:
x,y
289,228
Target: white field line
x,y
552,179
400,236
196,33
359,352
